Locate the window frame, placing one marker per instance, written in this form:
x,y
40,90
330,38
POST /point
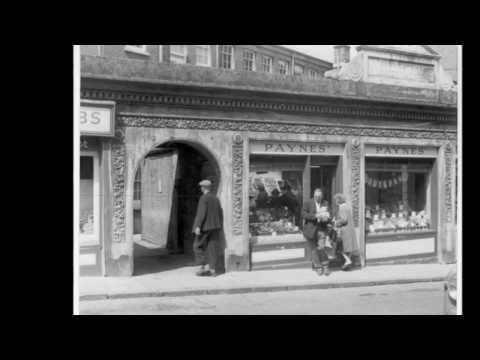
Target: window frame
x,y
209,55
266,57
287,67
178,54
93,239
300,66
232,58
253,60
135,49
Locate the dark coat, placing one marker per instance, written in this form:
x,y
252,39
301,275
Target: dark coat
x,y
209,213
309,212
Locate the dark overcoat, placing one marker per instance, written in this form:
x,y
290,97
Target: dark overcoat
x,y
209,213
309,212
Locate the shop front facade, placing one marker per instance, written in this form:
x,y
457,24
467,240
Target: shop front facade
x,y
392,156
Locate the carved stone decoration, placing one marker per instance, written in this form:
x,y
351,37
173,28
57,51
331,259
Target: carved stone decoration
x,y
355,174
354,111
118,189
159,121
237,178
448,182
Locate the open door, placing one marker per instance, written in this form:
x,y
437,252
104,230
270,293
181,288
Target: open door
x,y
158,181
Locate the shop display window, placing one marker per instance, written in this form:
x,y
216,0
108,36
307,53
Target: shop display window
x,y
89,201
276,197
397,198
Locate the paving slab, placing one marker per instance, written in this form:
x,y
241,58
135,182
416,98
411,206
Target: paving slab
x,y
184,282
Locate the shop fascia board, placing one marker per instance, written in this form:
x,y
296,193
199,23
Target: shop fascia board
x,y
135,71
250,93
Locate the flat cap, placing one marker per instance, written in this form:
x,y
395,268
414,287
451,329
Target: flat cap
x,y
205,183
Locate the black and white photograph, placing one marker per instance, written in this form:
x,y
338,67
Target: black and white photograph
x,y
267,179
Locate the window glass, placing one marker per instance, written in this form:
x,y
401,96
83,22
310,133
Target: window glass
x,y
396,196
137,186
202,54
275,195
298,69
178,54
225,56
283,67
86,196
248,61
267,64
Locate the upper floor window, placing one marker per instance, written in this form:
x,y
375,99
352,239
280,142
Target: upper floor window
x,y
202,55
284,67
178,54
139,49
298,70
225,56
267,63
313,74
248,60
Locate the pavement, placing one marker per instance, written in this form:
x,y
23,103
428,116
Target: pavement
x,y
426,298
183,282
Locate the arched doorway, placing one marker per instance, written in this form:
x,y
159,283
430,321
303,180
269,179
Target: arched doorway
x,y
166,195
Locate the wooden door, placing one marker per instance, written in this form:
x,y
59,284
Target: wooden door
x,y
158,181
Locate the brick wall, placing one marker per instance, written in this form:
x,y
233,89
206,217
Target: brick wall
x,y
119,51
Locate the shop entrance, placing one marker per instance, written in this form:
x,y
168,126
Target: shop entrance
x,y
166,195
275,215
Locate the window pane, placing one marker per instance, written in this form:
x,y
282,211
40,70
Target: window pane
x,y
275,201
86,195
396,201
202,53
225,57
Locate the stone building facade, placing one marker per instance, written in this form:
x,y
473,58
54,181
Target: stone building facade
x,y
236,119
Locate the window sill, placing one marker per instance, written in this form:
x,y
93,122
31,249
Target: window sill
x,y
136,50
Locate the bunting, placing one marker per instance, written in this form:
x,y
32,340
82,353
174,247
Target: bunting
x,y
385,183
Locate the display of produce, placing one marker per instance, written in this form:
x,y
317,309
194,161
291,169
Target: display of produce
x,y
379,220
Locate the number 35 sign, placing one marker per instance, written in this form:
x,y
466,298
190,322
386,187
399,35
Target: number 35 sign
x,y
97,118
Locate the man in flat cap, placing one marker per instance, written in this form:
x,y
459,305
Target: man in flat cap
x,y
207,228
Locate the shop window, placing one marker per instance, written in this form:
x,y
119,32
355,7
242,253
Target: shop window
x,y
275,194
89,198
225,56
284,67
267,62
178,54
397,195
202,55
248,60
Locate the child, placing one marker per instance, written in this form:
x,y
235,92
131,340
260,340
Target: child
x,y
323,245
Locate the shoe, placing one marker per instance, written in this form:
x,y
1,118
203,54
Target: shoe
x,y
346,267
203,273
320,271
326,271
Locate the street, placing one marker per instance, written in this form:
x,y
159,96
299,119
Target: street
x,y
406,299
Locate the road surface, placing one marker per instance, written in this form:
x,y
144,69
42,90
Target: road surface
x,y
406,299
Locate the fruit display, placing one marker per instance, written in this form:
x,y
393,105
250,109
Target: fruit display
x,y
279,227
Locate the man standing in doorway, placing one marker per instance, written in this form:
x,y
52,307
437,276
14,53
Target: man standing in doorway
x,y
316,219
207,228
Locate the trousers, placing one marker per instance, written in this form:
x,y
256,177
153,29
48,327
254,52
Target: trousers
x,y
319,257
206,249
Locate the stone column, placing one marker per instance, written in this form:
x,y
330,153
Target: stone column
x,y
119,261
238,254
